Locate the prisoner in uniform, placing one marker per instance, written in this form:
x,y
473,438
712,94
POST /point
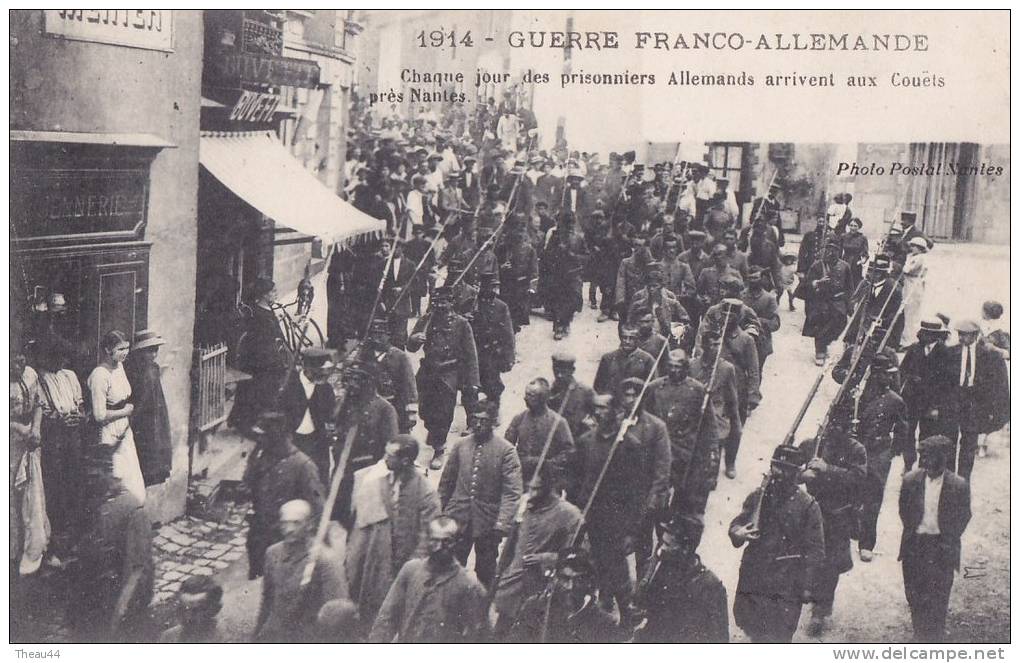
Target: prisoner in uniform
x,y
450,365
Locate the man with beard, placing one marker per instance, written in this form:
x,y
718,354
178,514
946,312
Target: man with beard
x,y
395,375
934,510
494,338
835,476
883,427
529,430
433,599
545,527
480,488
669,318
625,362
826,289
683,601
365,421
307,401
518,272
393,504
677,399
578,396
633,494
725,399
289,606
782,527
565,255
927,386
568,611
276,473
199,600
450,364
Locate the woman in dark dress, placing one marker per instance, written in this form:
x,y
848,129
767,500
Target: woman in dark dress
x,y
150,420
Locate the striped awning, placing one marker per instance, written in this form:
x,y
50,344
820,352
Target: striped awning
x,y
258,168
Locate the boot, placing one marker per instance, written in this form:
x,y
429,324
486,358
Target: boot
x,y
437,459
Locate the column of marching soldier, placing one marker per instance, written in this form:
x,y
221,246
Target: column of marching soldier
x,y
586,480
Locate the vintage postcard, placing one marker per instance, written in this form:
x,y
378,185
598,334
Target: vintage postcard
x,y
510,326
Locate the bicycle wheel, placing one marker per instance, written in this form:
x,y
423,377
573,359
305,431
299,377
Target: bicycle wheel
x,y
312,336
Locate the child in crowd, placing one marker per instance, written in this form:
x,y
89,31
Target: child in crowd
x,y
789,276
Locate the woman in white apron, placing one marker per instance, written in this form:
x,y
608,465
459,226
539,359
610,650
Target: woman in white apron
x,y
914,271
111,410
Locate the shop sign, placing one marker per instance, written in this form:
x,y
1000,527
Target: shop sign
x,y
254,107
64,204
150,29
233,69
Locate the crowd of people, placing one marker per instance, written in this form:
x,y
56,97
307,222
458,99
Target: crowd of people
x,y
485,234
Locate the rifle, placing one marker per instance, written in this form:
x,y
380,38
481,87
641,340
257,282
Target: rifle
x,y
510,545
417,268
862,385
855,360
704,404
502,221
327,508
788,440
624,427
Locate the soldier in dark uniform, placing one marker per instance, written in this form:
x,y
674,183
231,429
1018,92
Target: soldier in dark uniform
x,y
578,396
450,365
625,362
565,256
883,296
494,338
785,548
677,399
529,430
683,601
276,473
835,477
826,290
649,339
725,398
415,249
811,245
610,254
766,308
367,422
395,375
632,275
518,272
465,295
633,494
262,354
308,402
883,427
567,611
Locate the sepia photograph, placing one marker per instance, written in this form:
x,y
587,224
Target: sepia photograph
x,y
509,326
